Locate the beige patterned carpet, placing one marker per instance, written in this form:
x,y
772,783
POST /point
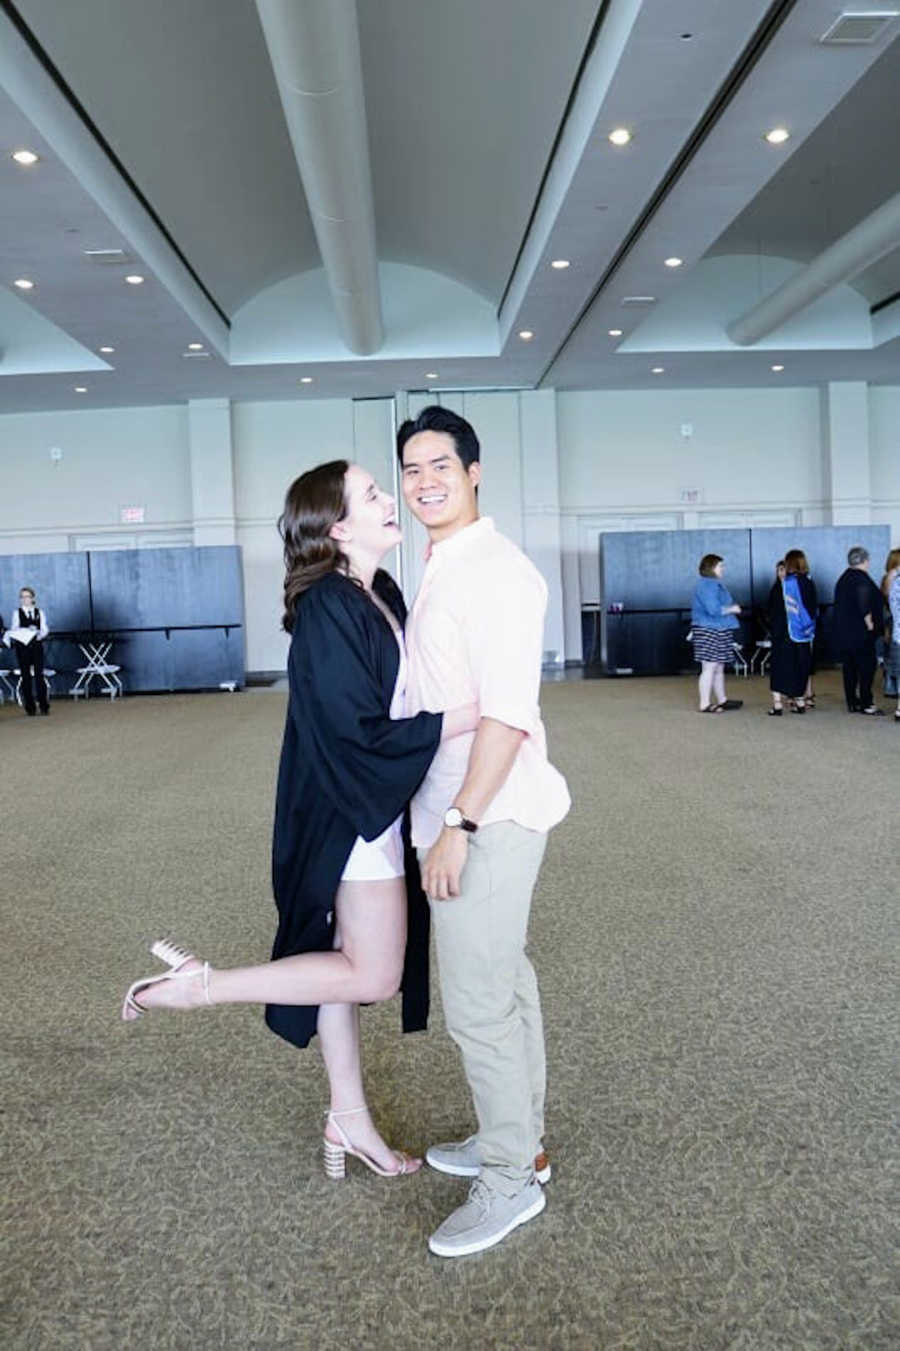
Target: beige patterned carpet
x,y
716,936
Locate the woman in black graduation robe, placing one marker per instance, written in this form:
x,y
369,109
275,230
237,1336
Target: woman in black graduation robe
x,y
346,770
791,664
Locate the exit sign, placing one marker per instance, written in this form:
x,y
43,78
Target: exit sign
x,y
131,515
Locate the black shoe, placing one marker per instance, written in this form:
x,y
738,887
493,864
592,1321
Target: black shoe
x,y
45,712
30,712
732,703
775,712
872,712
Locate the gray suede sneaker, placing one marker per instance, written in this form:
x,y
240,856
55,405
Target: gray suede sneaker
x,y
485,1219
460,1158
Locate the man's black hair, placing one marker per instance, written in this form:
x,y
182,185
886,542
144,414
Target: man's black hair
x,y
437,419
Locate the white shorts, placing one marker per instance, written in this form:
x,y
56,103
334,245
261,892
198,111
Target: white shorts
x,y
376,860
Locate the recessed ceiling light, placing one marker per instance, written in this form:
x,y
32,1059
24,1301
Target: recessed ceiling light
x,y
133,279
778,136
23,283
431,375
777,368
674,262
526,334
620,136
658,370
615,333
80,389
195,346
306,379
25,157
560,263
107,351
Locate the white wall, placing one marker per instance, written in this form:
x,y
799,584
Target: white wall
x,y
558,469
884,457
272,444
110,458
680,459
747,448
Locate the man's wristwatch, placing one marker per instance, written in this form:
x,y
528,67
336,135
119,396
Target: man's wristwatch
x,y
453,817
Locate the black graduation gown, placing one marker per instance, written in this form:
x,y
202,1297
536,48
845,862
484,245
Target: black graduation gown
x,y
791,664
346,769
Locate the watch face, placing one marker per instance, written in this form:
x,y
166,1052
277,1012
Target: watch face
x,y
452,817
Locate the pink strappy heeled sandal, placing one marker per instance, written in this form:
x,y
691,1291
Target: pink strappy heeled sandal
x,y
174,957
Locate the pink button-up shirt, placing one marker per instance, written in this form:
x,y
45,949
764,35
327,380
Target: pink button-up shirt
x,y
475,634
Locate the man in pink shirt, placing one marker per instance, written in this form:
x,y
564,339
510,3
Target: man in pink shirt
x,y
480,821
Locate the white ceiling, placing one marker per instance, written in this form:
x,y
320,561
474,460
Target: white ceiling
x,y
847,168
161,132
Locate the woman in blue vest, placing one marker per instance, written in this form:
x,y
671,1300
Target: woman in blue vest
x,y
713,621
793,606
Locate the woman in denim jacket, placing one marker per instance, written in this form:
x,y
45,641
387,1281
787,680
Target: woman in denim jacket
x,y
713,620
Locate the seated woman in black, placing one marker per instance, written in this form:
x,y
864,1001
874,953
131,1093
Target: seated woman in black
x,y
353,920
793,606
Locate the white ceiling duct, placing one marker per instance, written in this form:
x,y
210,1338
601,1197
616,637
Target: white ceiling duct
x,y
314,49
868,241
37,94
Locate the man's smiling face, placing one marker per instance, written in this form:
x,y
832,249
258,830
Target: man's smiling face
x,y
439,490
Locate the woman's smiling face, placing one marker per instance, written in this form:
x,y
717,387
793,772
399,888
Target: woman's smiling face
x,y
369,527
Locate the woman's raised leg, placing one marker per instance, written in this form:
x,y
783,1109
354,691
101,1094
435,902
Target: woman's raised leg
x,y
366,969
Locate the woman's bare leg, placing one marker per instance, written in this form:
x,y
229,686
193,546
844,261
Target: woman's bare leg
x,y
367,969
705,684
719,682
340,1042
338,1029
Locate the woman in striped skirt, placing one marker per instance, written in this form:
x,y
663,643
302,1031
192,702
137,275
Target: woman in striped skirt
x,y
713,621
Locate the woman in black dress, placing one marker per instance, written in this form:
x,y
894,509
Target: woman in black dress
x,y
353,922
792,636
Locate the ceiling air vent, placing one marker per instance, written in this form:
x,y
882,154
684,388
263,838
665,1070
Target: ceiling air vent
x,y
859,26
104,257
637,300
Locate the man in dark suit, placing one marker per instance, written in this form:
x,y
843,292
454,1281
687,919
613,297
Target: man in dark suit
x,y
858,621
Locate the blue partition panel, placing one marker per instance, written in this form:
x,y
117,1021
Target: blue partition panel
x,y
651,574
826,549
152,588
655,571
195,595
175,616
60,582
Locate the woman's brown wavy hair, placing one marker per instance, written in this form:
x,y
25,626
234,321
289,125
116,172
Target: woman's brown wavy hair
x,y
313,504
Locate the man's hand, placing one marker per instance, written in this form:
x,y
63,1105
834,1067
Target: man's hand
x,y
443,866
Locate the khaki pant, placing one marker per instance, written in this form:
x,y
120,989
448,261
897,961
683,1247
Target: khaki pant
x,y
490,997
